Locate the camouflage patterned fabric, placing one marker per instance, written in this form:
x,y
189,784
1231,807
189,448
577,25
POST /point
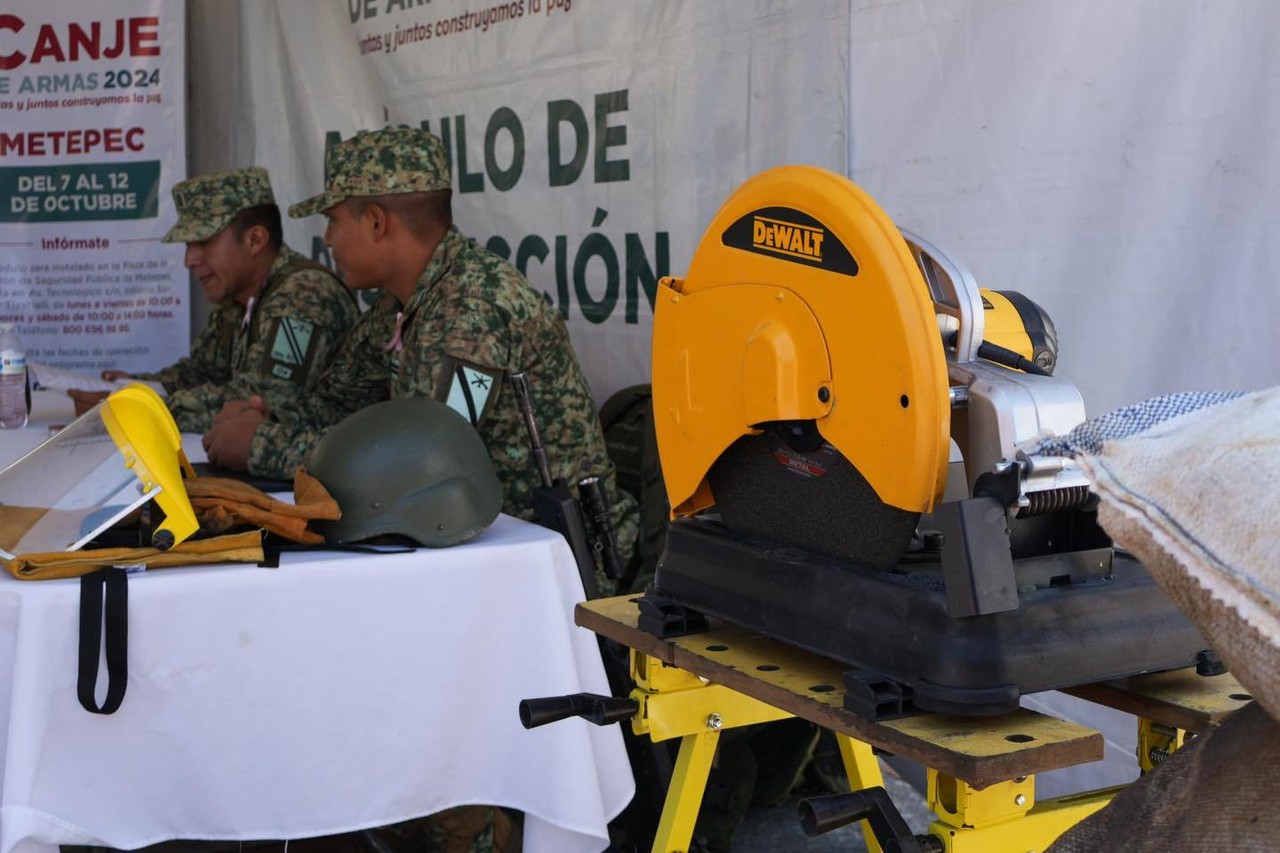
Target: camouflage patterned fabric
x,y
380,162
298,320
359,375
472,321
462,829
207,203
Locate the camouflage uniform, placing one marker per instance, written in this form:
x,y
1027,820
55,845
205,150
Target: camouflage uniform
x,y
471,321
286,336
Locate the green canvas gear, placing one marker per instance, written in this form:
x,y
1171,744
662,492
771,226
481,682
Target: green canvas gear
x,y
632,443
410,467
207,203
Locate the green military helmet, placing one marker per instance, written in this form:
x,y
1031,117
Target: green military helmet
x,y
411,467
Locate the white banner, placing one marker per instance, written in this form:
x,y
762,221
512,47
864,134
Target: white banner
x,y
591,141
91,139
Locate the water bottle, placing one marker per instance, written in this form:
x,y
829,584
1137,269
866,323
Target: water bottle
x,y
13,379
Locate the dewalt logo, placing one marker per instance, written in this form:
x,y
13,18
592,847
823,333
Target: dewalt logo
x,y
788,238
790,235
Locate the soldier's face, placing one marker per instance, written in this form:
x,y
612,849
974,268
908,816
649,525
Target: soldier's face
x,y
223,267
351,246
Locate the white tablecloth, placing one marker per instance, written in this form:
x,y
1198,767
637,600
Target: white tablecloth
x,y
337,692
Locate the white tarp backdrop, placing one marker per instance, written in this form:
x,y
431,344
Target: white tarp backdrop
x,y
1114,160
92,135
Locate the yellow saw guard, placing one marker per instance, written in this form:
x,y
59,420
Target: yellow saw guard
x,y
802,302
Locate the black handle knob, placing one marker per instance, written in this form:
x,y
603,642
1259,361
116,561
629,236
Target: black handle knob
x,y
612,709
819,815
601,710
162,540
823,814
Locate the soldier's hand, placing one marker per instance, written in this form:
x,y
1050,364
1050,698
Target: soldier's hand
x,y
85,400
233,409
116,375
228,441
257,402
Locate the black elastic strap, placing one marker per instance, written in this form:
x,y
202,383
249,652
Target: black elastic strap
x,y
273,546
92,617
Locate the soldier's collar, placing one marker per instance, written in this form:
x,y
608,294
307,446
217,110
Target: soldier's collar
x,y
284,256
441,261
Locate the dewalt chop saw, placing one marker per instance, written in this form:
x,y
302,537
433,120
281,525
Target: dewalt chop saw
x,y
811,374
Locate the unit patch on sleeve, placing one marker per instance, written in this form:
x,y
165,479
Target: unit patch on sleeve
x,y
470,390
289,356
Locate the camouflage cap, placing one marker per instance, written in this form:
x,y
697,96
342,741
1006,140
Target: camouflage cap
x,y
207,203
379,162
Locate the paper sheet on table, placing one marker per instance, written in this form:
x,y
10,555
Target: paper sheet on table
x,y
50,378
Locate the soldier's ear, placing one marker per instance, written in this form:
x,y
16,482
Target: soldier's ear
x,y
256,239
378,220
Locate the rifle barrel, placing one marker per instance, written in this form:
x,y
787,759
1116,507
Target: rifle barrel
x,y
521,387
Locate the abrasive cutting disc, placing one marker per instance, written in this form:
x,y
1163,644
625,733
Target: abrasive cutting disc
x,y
811,499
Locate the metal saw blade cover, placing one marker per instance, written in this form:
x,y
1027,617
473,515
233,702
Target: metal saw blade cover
x,y
802,302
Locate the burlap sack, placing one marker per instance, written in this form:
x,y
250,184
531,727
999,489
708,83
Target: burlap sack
x,y
1216,794
1195,498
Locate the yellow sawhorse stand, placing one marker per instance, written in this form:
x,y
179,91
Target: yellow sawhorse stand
x,y
981,770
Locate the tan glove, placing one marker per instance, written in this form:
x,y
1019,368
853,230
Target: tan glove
x,y
222,503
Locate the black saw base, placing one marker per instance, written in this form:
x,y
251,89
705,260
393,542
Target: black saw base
x,y
895,629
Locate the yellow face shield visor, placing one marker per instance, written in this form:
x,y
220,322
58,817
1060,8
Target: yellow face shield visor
x,y
107,463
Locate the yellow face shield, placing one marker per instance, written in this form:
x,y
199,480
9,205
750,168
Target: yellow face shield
x,y
107,463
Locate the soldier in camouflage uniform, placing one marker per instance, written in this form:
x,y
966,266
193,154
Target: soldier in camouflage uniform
x,y
453,322
278,317
452,325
